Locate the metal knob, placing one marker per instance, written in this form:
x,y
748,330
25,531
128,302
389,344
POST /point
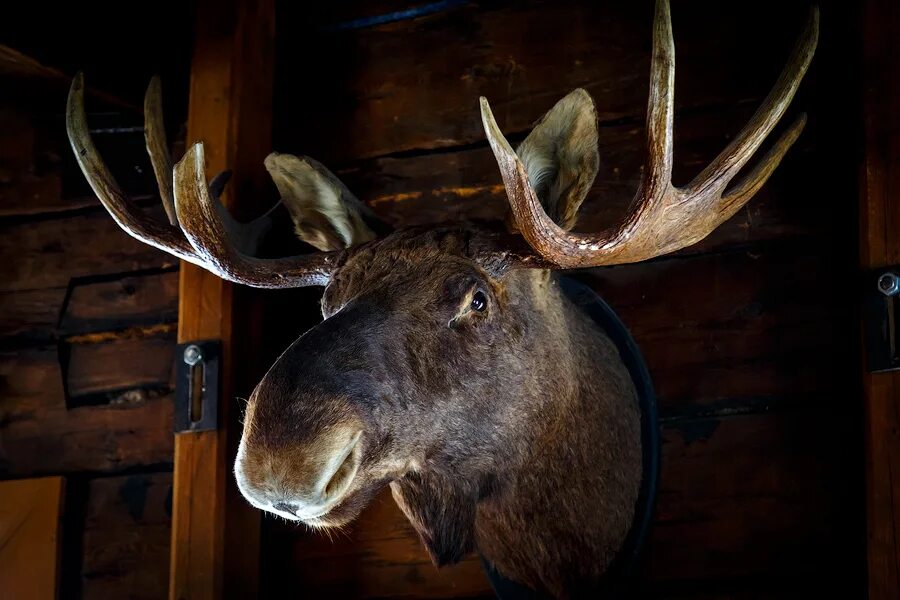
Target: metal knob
x,y
192,355
889,284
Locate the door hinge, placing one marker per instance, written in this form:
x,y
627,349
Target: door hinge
x,y
882,314
197,386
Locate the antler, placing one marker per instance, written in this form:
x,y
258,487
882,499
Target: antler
x,y
207,236
662,217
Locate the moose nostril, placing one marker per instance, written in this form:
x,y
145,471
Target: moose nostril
x,y
285,507
345,472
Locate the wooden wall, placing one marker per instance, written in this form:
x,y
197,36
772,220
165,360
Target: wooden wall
x,y
87,319
87,314
750,335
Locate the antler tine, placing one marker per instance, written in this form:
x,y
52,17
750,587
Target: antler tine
x,y
660,106
727,164
157,148
117,203
200,219
209,237
245,236
662,218
738,195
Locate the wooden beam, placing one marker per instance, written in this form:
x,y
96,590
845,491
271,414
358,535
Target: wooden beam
x,y
879,247
215,533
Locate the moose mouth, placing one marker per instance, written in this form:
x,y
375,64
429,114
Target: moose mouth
x,y
346,509
346,493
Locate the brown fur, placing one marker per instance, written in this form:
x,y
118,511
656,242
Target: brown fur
x,y
515,431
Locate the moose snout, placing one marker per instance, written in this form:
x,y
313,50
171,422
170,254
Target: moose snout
x,y
300,482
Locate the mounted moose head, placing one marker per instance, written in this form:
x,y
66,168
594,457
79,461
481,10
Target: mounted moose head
x,y
449,366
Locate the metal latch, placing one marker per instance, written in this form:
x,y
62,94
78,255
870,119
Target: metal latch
x,y
882,308
197,386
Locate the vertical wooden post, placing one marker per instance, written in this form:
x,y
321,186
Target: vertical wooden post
x,y
879,247
215,533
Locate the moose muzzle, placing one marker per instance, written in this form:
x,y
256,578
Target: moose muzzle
x,y
302,483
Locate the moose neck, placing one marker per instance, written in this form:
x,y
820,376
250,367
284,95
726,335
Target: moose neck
x,y
554,505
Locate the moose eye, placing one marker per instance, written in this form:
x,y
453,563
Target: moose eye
x,y
479,301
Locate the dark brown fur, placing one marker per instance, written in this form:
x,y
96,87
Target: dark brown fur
x,y
514,432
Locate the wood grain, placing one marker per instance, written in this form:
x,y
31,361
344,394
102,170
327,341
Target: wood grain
x,y
29,317
879,210
30,511
126,537
49,253
38,173
99,304
39,434
737,325
214,532
118,367
129,301
415,84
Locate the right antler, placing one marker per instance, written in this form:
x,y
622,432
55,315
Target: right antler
x,y
199,230
662,218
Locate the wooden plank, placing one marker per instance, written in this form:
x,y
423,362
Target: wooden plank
x,y
49,253
215,533
21,184
879,210
751,498
112,367
30,318
414,84
763,496
38,173
30,511
736,325
125,547
91,438
40,435
129,301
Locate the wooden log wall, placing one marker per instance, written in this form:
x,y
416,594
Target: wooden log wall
x,y
750,336
88,315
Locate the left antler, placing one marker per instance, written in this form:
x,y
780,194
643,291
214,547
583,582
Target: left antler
x,y
662,218
199,229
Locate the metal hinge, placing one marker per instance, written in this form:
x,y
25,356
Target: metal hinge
x,y
882,316
197,386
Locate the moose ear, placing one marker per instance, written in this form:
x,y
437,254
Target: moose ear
x,y
325,214
560,156
442,515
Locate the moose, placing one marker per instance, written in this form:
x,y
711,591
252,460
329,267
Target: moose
x,y
449,366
